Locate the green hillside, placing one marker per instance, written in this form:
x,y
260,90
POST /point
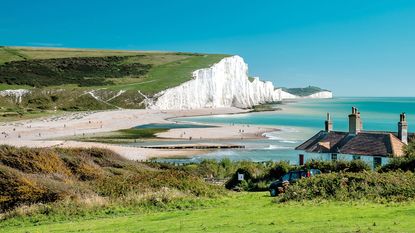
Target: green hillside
x,y
61,79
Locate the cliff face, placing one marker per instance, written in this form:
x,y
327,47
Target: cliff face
x,y
321,95
225,84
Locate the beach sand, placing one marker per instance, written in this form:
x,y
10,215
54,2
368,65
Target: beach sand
x,y
45,132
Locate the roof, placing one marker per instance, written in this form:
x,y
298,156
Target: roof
x,y
373,143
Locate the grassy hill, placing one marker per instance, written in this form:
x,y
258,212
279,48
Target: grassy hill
x,y
86,79
36,176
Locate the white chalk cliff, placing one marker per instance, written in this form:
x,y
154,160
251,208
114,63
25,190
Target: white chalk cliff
x,y
225,84
321,95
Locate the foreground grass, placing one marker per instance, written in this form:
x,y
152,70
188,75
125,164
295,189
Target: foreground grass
x,y
245,212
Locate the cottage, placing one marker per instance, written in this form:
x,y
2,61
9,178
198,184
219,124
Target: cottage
x,y
358,142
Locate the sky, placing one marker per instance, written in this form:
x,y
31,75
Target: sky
x,y
352,47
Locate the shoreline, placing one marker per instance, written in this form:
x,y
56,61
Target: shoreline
x,y
46,131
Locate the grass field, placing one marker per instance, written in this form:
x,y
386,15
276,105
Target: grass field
x,y
8,54
244,212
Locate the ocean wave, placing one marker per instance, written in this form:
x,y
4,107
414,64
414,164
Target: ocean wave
x,y
276,147
289,141
270,136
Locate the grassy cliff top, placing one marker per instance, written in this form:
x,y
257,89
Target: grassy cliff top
x,y
147,71
306,91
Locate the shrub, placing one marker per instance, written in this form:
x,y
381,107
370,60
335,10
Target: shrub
x,y
83,71
233,182
338,166
32,176
16,188
391,186
278,170
37,160
403,164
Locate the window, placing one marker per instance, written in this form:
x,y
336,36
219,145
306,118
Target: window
x,y
286,177
295,176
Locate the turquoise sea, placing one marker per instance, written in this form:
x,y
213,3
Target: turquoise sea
x,y
300,120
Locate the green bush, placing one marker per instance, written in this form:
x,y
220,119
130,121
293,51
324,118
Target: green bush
x,y
338,166
233,182
49,175
278,170
83,71
391,186
399,164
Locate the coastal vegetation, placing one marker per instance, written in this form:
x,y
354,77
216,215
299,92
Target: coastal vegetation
x,y
30,176
306,91
267,107
122,136
81,71
95,189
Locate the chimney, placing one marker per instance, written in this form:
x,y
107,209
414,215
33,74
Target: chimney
x,y
403,129
355,122
328,123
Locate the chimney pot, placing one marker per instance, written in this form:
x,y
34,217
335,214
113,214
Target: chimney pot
x,y
355,122
328,123
403,129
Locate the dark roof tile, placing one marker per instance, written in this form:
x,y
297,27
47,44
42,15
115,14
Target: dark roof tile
x,y
374,143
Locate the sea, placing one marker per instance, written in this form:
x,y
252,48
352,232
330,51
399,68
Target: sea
x,y
301,119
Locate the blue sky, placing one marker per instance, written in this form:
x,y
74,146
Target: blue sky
x,y
353,47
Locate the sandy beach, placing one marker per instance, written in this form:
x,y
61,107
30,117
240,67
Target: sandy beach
x,y
47,132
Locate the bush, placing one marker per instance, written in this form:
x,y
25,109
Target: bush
x,y
278,170
391,186
338,166
16,188
233,182
51,175
37,160
399,164
82,71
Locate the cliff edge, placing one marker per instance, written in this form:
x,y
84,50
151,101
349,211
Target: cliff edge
x,y
225,84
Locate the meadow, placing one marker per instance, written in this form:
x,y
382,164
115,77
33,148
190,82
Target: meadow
x,y
241,212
